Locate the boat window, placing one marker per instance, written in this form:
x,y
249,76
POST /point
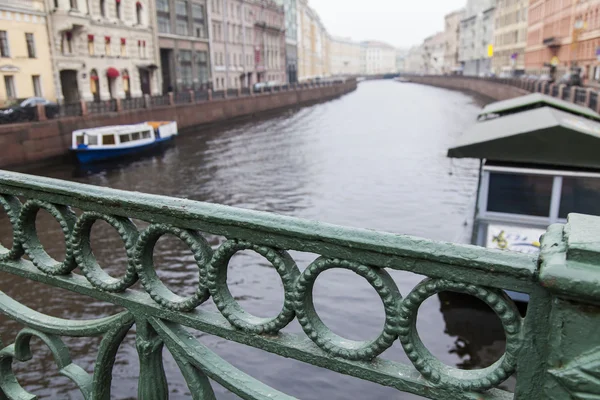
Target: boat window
x,y
580,195
108,139
146,134
520,194
92,140
79,139
125,138
135,136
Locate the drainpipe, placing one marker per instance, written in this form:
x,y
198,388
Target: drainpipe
x,y
50,32
226,36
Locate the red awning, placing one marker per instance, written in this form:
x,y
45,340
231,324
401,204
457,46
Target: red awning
x,y
90,38
94,77
138,4
123,40
107,39
112,73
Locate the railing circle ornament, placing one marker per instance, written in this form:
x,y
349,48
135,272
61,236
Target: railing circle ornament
x,y
31,242
319,333
145,266
12,207
86,260
441,374
230,308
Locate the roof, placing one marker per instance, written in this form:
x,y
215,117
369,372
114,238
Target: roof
x,y
115,129
537,100
544,136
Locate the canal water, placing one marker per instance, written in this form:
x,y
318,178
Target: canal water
x,y
375,158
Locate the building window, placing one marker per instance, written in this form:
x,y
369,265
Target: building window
x,y
202,67
164,23
138,12
9,84
67,43
185,62
182,27
91,45
118,8
162,6
123,47
30,45
94,85
198,16
73,4
4,49
103,8
107,49
37,86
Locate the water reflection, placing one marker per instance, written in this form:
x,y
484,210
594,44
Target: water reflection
x,y
372,159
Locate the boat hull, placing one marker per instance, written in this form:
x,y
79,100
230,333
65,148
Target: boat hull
x,y
88,156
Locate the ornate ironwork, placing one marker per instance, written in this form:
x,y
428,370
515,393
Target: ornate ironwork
x,y
161,316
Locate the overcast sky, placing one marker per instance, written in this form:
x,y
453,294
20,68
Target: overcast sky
x,y
401,23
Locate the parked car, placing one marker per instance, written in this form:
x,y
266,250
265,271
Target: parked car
x,y
26,110
571,78
258,87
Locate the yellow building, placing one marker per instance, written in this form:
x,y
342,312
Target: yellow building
x,y
25,61
313,44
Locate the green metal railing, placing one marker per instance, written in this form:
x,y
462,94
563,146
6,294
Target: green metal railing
x,y
553,350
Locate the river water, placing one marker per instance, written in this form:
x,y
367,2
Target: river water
x,y
374,159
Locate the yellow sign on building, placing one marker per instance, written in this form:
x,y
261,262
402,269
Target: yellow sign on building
x,y
490,50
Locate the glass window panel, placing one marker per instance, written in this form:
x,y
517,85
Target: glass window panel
x,y
580,195
92,140
520,194
108,139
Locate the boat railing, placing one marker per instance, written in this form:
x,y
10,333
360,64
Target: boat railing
x,y
552,352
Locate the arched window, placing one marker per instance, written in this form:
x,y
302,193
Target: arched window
x,y
103,8
118,7
138,12
95,85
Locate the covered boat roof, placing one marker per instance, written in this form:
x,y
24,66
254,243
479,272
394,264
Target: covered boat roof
x,y
115,129
545,136
535,100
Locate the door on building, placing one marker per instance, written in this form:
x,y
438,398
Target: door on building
x,y
145,80
166,58
68,83
126,84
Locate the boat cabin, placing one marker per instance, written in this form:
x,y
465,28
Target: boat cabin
x,y
112,136
540,161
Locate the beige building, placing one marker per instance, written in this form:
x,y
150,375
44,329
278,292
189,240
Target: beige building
x,y
413,61
313,44
451,34
378,58
25,63
345,56
103,49
434,51
510,37
248,43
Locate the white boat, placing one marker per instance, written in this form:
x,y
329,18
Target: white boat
x,y
97,144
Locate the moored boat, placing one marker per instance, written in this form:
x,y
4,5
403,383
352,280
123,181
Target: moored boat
x,y
97,144
539,163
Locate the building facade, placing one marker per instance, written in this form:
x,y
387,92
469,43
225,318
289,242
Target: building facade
x,y
183,41
451,35
103,49
378,58
586,36
476,34
248,43
434,51
313,44
413,61
345,56
291,38
25,63
510,37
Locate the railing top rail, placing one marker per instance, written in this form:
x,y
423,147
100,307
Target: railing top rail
x,y
475,264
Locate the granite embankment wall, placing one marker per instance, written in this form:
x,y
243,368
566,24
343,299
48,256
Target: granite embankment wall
x,y
27,143
489,90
